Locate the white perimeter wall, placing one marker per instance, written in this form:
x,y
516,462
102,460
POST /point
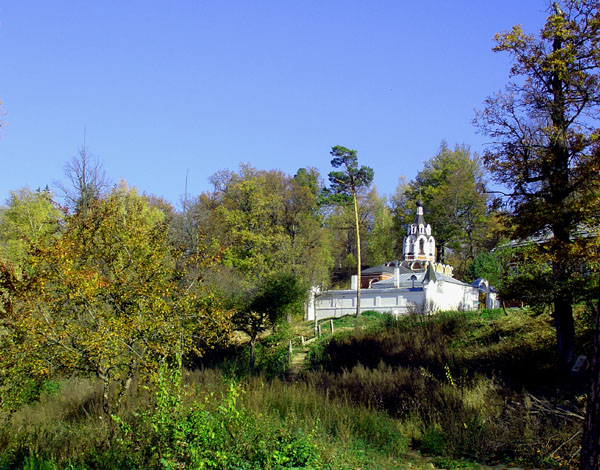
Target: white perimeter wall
x,y
449,296
439,296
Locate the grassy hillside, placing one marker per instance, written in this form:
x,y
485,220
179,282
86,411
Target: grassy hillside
x,y
449,390
486,388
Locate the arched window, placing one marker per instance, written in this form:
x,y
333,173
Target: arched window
x,y
421,246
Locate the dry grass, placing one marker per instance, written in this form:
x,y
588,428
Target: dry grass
x,y
459,385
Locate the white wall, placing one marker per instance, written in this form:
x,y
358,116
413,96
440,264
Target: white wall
x,y
439,295
338,303
491,300
449,296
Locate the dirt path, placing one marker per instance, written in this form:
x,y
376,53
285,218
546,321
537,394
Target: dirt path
x,y
417,461
297,363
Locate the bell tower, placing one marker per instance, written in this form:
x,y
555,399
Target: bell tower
x,y
419,244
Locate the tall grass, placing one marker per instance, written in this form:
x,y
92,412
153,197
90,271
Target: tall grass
x,y
209,422
454,386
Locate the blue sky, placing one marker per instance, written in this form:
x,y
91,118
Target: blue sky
x,y
164,88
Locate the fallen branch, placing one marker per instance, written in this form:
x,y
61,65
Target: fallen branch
x,y
542,406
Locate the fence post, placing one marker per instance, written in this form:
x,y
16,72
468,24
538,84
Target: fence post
x,y
331,325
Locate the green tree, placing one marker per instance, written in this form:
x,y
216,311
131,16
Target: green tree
x,y
402,208
377,243
263,224
250,216
486,265
339,225
516,272
381,240
545,145
452,187
267,305
310,247
344,188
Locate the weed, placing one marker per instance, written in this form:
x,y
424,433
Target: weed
x,y
37,463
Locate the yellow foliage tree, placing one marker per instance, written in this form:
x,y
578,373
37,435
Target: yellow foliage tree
x,y
104,299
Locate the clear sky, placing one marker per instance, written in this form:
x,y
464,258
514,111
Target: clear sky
x,y
165,87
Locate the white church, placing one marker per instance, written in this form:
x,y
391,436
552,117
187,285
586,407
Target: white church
x,y
417,284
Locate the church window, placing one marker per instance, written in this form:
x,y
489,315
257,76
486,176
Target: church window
x,y
422,246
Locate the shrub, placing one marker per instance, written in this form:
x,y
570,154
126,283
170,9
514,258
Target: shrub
x,y
432,442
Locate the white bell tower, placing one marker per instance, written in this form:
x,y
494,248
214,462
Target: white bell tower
x,y
419,244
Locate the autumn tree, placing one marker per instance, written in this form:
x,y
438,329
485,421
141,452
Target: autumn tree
x,y
545,151
28,219
590,447
344,188
267,222
545,143
103,299
266,226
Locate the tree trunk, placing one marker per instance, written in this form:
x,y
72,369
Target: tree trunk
x,y
563,308
565,332
558,196
357,253
252,352
104,375
125,385
590,444
440,251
